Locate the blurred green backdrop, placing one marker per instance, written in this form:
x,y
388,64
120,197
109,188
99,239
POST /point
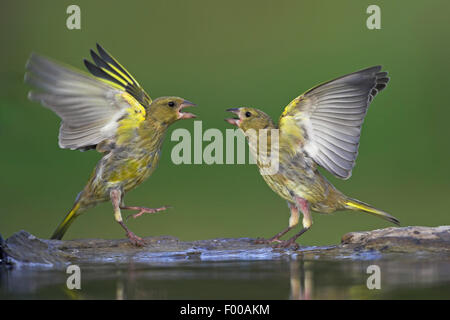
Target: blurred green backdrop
x,y
230,53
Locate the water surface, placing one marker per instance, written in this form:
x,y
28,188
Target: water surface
x,y
285,278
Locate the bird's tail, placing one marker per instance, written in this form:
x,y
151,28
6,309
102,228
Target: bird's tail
x,y
357,205
65,224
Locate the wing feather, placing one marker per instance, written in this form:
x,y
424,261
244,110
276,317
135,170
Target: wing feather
x,y
107,67
90,106
330,117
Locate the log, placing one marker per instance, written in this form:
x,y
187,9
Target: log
x,y
24,249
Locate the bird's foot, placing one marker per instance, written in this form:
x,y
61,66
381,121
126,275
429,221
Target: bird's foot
x,y
267,241
143,210
261,241
135,240
287,244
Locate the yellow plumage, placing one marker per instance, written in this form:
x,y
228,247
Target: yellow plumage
x,y
109,111
318,128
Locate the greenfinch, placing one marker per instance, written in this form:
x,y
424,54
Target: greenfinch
x,y
106,110
318,128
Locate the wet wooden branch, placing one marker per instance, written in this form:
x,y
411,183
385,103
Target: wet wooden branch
x,y
24,249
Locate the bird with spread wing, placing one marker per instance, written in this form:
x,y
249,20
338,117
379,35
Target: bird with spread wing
x,y
109,111
321,127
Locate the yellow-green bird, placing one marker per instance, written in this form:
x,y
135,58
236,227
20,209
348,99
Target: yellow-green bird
x,y
318,128
106,110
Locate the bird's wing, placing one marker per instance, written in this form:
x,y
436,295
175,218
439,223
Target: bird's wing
x,y
92,107
325,122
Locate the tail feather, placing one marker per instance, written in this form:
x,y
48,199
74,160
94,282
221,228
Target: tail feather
x,y
357,205
65,224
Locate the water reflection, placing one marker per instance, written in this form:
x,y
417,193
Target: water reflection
x,y
300,281
293,278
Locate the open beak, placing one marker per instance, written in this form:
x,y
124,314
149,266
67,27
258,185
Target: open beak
x,y
186,115
236,120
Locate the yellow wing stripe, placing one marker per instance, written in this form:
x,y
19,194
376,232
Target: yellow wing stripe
x,y
121,73
113,84
115,76
108,68
134,80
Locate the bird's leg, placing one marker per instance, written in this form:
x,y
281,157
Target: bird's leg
x,y
291,241
293,221
143,210
275,238
307,222
115,196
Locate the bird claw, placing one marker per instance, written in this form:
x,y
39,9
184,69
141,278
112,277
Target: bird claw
x,y
135,240
275,240
143,210
261,241
267,241
286,244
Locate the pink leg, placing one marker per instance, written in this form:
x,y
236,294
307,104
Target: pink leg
x,y
307,222
292,223
275,238
143,210
115,196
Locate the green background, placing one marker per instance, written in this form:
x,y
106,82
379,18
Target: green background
x,y
232,53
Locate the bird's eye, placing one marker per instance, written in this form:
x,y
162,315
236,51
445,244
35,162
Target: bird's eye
x,y
171,103
248,114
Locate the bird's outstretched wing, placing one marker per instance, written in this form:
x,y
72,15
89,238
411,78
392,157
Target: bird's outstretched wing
x,y
325,122
92,107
